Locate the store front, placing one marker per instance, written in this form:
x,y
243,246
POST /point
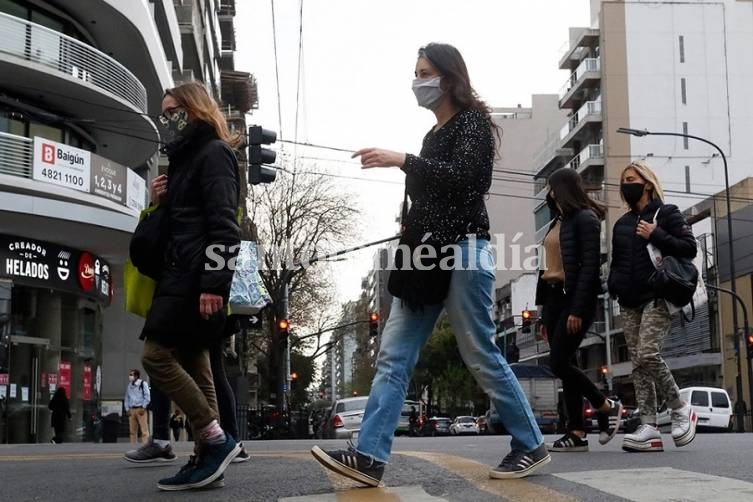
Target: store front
x,y
51,309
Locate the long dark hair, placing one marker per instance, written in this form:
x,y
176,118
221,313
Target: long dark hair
x,y
455,79
570,194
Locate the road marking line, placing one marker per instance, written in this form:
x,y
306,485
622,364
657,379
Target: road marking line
x,y
666,483
390,494
36,457
478,474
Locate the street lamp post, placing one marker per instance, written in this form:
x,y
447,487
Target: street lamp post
x,y
733,285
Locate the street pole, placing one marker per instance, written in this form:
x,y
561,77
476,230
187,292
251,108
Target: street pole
x,y
731,256
608,342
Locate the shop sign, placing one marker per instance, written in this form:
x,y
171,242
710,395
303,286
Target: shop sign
x,y
61,164
52,382
4,379
87,393
65,377
81,170
42,264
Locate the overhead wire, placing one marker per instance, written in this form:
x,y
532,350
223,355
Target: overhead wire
x,y
277,72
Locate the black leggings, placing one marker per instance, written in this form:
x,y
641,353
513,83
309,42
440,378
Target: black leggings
x,y
562,349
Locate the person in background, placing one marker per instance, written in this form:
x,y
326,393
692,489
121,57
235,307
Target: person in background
x,y
61,414
137,399
177,424
567,294
646,318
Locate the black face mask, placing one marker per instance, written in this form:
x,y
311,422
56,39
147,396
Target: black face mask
x,y
552,204
632,192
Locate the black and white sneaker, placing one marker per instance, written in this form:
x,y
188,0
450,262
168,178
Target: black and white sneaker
x,y
569,443
242,456
351,464
519,464
609,422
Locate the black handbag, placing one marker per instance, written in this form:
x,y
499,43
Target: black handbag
x,y
675,280
149,242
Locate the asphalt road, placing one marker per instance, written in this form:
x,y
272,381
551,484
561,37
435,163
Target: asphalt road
x,y
714,468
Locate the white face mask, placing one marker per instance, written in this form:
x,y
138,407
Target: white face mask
x,y
428,92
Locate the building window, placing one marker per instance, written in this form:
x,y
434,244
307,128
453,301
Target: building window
x,y
685,131
682,49
683,91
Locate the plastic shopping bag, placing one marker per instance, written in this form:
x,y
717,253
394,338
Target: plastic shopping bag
x,y
248,295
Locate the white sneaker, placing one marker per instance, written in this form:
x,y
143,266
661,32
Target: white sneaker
x,y
646,438
684,422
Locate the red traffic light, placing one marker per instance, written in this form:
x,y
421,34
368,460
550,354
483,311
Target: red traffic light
x,y
750,339
294,376
374,317
283,324
527,315
604,370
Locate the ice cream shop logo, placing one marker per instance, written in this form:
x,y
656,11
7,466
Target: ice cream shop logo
x,y
86,272
27,259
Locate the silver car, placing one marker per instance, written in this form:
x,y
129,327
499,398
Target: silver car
x,y
345,417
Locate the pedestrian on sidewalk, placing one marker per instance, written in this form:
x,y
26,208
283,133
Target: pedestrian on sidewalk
x,y
566,293
177,424
447,184
137,399
61,414
187,315
646,318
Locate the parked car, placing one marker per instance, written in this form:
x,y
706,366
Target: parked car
x,y
436,426
711,404
344,417
464,425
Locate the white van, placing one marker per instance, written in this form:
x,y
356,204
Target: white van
x,y
711,404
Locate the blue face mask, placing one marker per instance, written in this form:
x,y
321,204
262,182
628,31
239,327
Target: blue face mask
x,y
428,92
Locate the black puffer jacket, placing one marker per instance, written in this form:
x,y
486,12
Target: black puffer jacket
x,y
631,265
202,199
580,236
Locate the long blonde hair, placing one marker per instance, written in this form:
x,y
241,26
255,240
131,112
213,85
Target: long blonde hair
x,y
644,171
199,104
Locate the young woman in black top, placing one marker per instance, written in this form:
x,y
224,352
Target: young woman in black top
x,y
566,292
446,184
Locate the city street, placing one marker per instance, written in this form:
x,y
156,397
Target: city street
x,y
715,467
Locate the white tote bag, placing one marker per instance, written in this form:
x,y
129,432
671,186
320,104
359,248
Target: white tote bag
x,y
248,295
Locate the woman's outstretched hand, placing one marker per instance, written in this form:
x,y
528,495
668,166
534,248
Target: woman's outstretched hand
x,y
376,157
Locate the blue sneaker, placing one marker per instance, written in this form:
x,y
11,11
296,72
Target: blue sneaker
x,y
209,467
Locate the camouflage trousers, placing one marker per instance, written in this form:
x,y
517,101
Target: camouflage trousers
x,y
645,329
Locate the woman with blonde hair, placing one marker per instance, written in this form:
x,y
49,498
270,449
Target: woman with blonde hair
x,y
646,318
198,199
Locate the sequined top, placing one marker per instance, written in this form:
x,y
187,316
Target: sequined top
x,y
448,181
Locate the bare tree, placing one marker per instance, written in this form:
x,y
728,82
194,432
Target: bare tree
x,y
297,217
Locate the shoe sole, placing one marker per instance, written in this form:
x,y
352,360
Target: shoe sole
x,y
342,469
520,474
567,449
616,427
209,479
240,460
151,460
689,436
642,446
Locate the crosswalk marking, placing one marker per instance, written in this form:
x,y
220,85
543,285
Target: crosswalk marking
x,y
660,484
391,494
478,474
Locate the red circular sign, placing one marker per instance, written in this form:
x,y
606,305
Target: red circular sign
x,y
86,272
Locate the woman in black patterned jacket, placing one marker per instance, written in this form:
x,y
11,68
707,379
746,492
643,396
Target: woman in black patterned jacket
x,y
446,183
566,293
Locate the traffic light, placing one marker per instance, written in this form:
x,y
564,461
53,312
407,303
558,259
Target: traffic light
x,y
283,328
373,324
527,316
257,156
749,341
294,376
604,371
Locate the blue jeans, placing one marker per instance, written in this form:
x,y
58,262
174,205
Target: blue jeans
x,y
469,308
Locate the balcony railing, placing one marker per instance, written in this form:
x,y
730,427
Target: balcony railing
x,y
590,152
590,109
16,153
40,45
587,66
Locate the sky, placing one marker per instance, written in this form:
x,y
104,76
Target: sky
x,y
358,58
